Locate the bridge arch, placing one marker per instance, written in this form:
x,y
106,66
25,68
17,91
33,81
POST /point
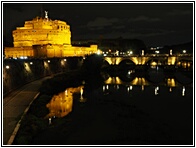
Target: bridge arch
x,y
127,63
184,63
144,60
105,63
137,60
114,60
154,62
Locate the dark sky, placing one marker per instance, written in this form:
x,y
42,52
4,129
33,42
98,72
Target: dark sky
x,y
157,24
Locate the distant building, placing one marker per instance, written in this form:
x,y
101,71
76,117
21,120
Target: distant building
x,y
43,37
120,45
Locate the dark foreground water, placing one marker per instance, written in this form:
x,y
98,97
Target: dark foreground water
x,y
139,110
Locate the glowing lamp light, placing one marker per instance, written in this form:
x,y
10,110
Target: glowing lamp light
x,y
184,51
23,57
142,52
103,88
50,121
129,72
156,90
142,87
171,52
183,91
31,63
7,67
98,52
48,61
65,59
81,91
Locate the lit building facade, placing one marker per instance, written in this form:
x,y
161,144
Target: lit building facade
x,y
43,37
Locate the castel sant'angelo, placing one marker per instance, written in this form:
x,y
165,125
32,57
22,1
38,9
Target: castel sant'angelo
x,y
45,38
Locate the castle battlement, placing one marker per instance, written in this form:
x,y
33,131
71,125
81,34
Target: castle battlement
x,y
43,32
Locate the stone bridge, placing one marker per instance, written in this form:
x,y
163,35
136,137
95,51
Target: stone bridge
x,y
163,59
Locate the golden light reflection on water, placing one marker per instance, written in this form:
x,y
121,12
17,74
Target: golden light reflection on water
x,y
61,104
113,80
140,81
171,82
117,80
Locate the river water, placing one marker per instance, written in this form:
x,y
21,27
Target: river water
x,y
127,109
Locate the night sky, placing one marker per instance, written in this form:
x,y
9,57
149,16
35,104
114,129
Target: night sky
x,y
157,24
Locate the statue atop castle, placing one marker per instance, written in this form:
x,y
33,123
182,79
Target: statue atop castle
x,y
46,14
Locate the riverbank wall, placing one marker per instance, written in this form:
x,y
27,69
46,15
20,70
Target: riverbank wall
x,y
17,72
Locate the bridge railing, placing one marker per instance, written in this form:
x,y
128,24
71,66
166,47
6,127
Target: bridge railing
x,y
151,55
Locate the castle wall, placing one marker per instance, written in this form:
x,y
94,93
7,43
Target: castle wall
x,y
41,31
17,52
21,72
43,37
49,51
40,37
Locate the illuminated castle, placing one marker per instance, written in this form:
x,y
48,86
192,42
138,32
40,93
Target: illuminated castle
x,y
43,37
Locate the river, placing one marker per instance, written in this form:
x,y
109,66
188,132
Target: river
x,y
129,109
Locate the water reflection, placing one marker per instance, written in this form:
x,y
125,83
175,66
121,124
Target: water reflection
x,y
136,81
61,104
140,81
183,91
113,80
156,90
82,99
171,82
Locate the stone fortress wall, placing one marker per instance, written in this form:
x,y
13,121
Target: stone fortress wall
x,y
43,37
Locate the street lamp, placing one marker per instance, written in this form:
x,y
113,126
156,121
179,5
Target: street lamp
x,y
98,52
7,67
142,52
170,51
